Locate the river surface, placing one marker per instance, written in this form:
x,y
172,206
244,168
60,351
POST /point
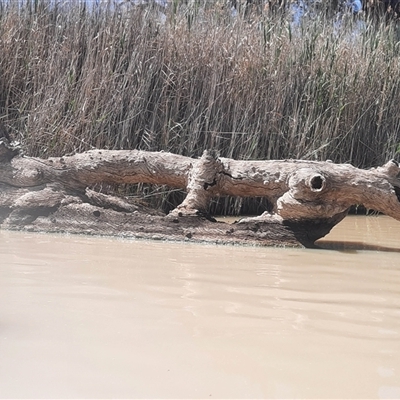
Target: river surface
x,y
88,317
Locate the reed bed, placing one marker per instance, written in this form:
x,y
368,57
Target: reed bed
x,y
77,76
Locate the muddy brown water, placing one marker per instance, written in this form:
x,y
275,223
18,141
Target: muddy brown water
x,y
87,317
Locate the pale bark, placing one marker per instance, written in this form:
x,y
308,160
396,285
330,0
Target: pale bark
x,y
308,197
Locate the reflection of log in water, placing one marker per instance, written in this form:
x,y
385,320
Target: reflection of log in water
x,y
308,198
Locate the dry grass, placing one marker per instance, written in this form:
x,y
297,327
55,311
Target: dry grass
x,y
78,77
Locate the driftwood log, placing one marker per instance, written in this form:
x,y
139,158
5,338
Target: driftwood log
x,y
307,197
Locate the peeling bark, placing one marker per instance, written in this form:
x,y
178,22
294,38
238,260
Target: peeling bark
x,y
308,197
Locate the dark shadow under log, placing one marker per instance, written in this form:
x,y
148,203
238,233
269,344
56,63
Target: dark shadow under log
x,y
307,198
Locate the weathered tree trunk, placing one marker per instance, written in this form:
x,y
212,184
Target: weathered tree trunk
x,y
308,197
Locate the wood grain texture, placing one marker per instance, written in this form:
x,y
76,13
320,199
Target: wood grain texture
x,y
308,197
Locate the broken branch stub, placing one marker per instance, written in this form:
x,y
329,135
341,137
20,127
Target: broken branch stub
x,y
308,197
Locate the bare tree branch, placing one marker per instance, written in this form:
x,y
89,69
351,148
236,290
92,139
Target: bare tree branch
x,y
308,197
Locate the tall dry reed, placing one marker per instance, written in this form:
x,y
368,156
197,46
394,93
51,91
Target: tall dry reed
x,y
80,76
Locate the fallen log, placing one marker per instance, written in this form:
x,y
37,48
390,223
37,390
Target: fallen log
x,y
307,198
